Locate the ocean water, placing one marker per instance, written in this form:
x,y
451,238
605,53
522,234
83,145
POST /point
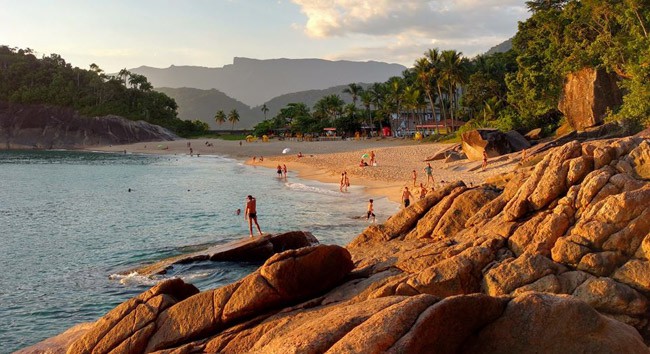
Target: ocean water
x,y
69,226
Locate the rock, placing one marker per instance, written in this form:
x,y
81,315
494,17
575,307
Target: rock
x,y
534,134
536,322
59,343
445,152
587,96
524,270
640,160
517,141
248,249
492,141
49,127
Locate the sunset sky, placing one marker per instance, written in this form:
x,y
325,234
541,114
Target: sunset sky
x,y
119,34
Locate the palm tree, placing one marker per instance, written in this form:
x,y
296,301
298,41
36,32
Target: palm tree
x,y
433,56
395,95
233,117
265,109
366,100
411,99
123,75
424,72
378,93
353,90
220,117
453,73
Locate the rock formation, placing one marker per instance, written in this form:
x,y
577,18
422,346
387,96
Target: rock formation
x,y
492,141
587,96
49,127
555,261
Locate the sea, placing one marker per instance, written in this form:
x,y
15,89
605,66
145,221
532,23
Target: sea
x,y
73,223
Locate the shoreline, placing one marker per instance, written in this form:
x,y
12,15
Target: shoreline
x,y
325,161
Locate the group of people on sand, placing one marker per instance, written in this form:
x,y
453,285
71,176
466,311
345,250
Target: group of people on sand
x,y
373,161
406,193
345,182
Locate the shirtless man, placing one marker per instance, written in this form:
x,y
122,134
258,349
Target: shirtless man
x,y
406,197
415,177
250,213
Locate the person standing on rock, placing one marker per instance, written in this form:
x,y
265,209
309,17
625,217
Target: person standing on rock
x,y
250,214
406,197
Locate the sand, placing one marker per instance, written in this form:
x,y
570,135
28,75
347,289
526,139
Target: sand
x,y
325,161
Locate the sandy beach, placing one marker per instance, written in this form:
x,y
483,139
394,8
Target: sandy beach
x,y
325,161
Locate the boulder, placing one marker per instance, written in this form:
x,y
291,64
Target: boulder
x,y
536,322
587,96
534,134
492,141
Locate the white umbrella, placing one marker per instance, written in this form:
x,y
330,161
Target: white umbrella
x,y
286,150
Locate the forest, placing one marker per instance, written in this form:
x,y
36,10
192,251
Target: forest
x,y
26,79
518,89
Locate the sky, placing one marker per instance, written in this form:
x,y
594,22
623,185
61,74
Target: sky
x,y
116,34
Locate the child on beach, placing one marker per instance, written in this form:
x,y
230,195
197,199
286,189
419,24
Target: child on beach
x,y
415,177
371,211
423,190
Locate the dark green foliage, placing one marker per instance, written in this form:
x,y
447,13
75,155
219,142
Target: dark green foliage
x,y
50,80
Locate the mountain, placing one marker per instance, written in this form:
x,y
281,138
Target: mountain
x,y
501,47
254,81
199,104
203,104
309,98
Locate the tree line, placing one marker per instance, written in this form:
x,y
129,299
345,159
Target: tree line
x,y
519,89
26,79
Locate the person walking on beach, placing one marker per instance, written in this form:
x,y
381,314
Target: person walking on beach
x,y
346,180
423,190
372,158
406,197
429,171
279,171
284,170
250,214
371,211
485,157
415,177
342,182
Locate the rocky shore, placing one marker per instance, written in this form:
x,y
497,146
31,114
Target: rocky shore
x,y
552,258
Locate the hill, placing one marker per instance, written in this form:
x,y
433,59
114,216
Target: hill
x,y
500,48
196,104
254,81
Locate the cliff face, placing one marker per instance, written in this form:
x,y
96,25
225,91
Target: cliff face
x,y
557,261
48,127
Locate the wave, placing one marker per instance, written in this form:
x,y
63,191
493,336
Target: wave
x,y
134,278
300,187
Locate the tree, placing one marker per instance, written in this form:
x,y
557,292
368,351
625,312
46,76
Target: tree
x,y
233,117
220,117
265,110
424,73
433,56
452,72
366,100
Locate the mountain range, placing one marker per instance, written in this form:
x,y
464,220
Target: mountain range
x,y
247,84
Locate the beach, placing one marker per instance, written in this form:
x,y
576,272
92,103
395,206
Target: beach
x,y
324,161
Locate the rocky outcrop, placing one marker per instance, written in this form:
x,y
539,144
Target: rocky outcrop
x,y
556,260
493,142
248,249
49,127
587,96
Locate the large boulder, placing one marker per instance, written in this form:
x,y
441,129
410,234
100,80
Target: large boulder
x,y
587,96
492,141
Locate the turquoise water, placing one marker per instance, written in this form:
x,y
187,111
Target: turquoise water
x,y
69,225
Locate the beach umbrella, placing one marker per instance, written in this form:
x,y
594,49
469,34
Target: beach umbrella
x,y
365,156
286,150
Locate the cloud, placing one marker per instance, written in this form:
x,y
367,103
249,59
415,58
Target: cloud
x,y
413,26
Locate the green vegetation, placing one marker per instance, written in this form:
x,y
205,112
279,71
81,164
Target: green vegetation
x,y
518,89
50,80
